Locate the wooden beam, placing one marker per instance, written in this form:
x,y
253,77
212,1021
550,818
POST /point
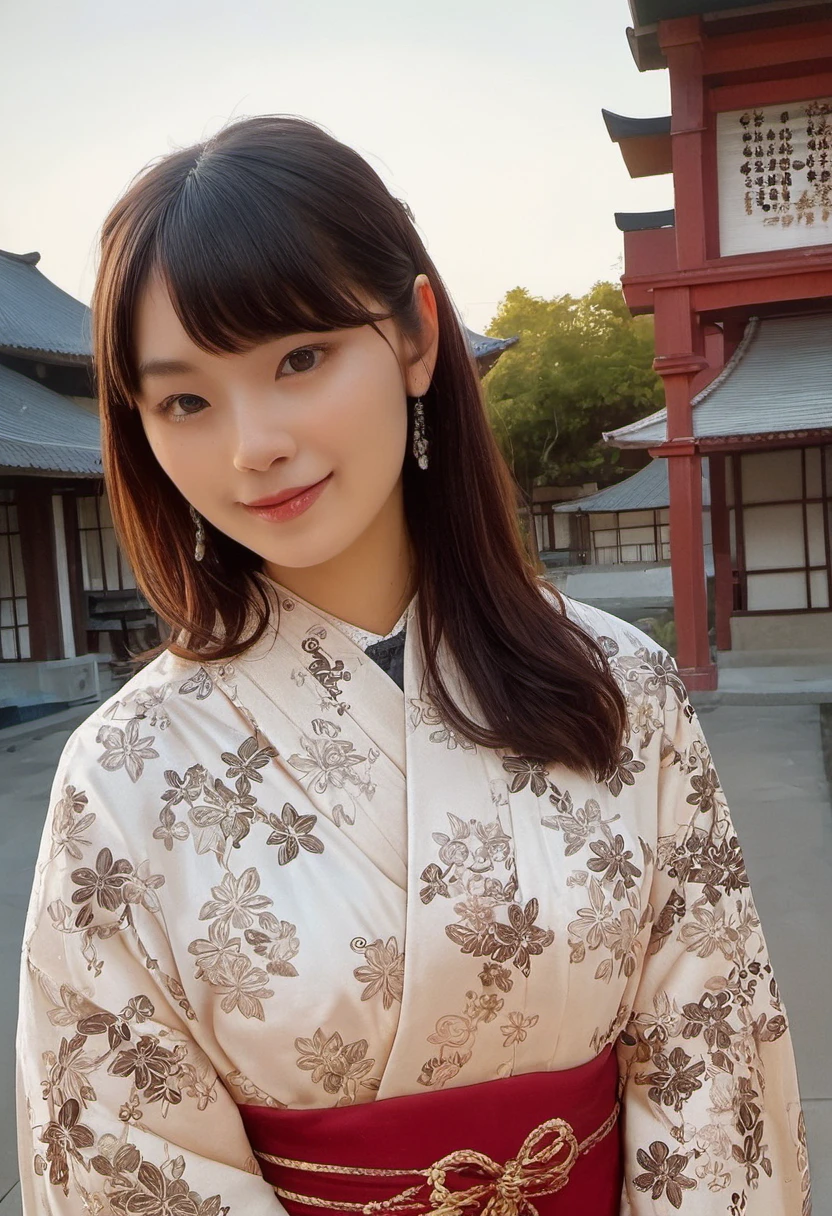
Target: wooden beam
x,y
37,542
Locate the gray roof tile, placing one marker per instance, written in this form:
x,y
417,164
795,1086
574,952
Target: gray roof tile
x,y
779,380
36,315
646,490
42,430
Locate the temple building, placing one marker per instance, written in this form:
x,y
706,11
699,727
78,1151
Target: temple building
x,y
738,276
629,522
69,609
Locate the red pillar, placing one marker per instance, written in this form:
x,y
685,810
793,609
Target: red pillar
x,y
679,359
723,566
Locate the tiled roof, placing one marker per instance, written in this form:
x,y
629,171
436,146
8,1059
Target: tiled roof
x,y
482,347
646,490
37,316
778,381
644,221
619,127
42,430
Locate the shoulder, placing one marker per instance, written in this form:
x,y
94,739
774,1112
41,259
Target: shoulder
x,y
121,756
616,637
645,672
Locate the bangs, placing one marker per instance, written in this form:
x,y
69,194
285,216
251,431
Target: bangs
x,y
243,264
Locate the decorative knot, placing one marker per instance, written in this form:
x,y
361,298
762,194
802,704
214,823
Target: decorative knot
x,y
540,1168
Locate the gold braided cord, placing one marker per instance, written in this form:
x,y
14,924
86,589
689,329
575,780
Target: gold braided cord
x,y
541,1167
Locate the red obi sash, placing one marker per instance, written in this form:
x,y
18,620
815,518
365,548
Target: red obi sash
x,y
546,1142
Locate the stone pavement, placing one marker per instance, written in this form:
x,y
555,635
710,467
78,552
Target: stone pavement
x,y
770,762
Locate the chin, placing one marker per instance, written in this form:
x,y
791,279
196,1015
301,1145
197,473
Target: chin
x,y
305,554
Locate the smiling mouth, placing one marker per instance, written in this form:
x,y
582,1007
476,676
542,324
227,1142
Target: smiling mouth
x,y
289,508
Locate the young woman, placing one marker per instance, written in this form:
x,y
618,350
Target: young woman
x,y
396,881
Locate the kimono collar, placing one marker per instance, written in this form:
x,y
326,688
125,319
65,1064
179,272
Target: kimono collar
x,y
361,637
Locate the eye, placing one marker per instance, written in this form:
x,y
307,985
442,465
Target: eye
x,y
304,359
185,402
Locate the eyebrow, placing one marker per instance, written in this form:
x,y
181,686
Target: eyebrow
x,y
163,367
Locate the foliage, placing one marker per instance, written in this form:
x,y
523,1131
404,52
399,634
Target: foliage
x,y
583,366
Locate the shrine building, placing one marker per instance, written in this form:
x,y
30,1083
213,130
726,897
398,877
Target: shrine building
x,y
738,276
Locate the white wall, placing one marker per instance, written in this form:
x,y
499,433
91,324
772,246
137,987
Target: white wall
x,y
774,535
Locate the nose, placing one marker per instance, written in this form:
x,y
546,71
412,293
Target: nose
x,y
260,441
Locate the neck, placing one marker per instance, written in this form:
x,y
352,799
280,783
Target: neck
x,y
370,583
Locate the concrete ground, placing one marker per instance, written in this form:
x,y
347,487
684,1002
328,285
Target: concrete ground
x,y
770,760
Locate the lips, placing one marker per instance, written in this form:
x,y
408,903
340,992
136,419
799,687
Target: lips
x,y
290,504
274,500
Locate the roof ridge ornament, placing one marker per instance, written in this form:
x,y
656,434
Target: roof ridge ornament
x,y
31,259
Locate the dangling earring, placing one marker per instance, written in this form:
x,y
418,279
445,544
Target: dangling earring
x,y
420,442
199,551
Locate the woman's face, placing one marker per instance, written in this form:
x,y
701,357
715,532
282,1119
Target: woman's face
x,y
230,429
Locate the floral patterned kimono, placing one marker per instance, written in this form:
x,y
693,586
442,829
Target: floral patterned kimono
x,y
284,881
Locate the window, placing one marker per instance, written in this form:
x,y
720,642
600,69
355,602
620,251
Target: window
x,y
14,614
104,568
629,536
782,521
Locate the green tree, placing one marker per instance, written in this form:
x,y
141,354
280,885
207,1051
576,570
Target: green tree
x,y
583,365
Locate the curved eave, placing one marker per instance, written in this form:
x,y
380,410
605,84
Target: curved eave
x,y
644,221
644,143
487,351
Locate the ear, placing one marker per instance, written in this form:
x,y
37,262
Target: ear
x,y
420,371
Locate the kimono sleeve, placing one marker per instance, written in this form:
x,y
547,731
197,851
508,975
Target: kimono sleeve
x,y
711,1108
119,1108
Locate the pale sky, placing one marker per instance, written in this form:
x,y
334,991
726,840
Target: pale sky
x,y
484,116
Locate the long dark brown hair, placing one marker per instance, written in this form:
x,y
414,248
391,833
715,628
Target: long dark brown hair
x,y
271,228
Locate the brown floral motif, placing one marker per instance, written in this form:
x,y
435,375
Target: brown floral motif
x,y
151,1067
68,1072
70,823
517,1028
141,886
249,758
329,764
336,1065
383,970
578,824
434,879
517,941
676,1080
64,1137
625,773
613,861
526,772
718,866
709,1016
242,987
275,940
200,683
663,1173
170,829
493,973
105,883
706,793
293,832
425,713
236,900
455,1035
709,931
124,749
663,678
520,939
215,952
137,1187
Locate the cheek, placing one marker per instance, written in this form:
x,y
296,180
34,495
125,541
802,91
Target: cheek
x,y
182,457
367,423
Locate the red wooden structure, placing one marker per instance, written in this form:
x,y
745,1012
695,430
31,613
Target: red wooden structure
x,y
748,237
